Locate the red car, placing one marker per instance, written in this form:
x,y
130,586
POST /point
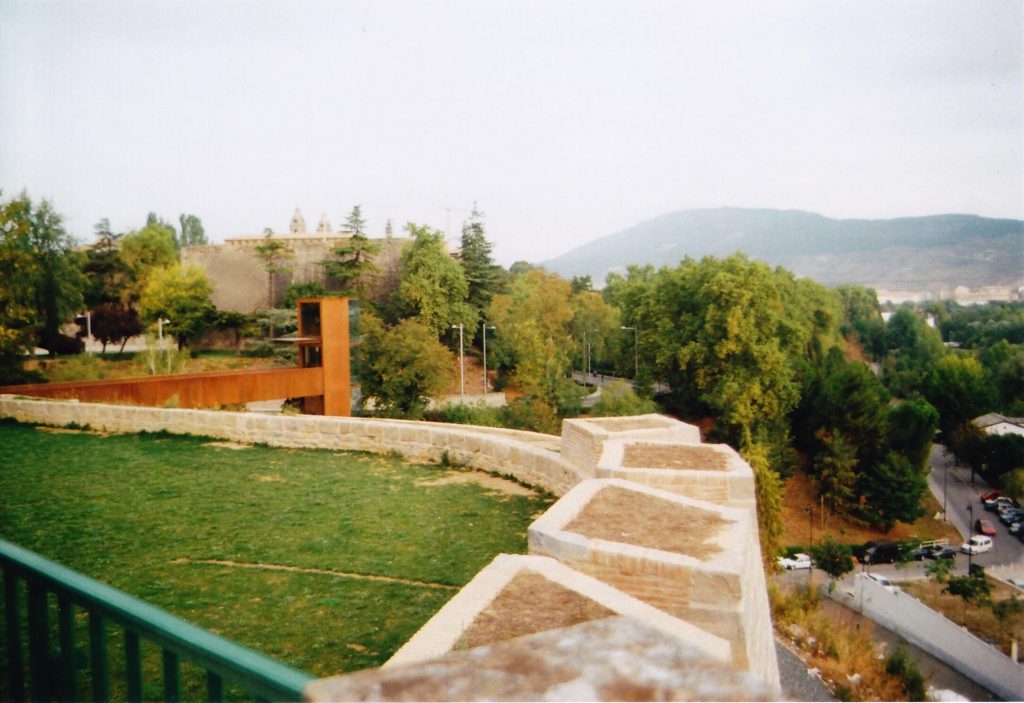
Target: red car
x,y
990,495
985,527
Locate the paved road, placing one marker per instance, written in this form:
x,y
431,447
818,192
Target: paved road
x,y
952,485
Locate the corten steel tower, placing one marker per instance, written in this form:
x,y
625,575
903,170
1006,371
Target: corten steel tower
x,y
323,341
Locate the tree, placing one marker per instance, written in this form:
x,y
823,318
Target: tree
x,y
1013,483
152,247
112,324
973,588
833,558
106,271
272,253
306,289
534,317
594,322
192,233
353,261
912,426
432,285
914,348
835,467
960,390
862,317
768,487
42,279
483,276
182,295
893,489
402,367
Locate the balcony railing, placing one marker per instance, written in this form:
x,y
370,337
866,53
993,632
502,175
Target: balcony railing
x,y
52,667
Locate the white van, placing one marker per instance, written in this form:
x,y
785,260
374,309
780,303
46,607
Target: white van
x,y
976,545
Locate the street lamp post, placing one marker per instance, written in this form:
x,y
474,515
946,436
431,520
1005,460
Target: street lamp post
x,y
462,365
970,528
484,327
636,352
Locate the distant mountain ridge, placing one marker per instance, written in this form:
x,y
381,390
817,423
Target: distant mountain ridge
x,y
928,254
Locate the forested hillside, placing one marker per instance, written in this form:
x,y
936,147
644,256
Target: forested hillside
x,y
911,253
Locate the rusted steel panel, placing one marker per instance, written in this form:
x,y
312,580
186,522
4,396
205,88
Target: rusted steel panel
x,y
192,390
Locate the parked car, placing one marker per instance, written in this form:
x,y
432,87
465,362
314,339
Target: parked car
x,y
884,582
993,504
880,553
976,545
1016,528
1017,582
797,561
990,495
921,553
1008,517
985,527
942,553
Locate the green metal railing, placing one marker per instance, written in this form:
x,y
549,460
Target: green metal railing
x,y
52,670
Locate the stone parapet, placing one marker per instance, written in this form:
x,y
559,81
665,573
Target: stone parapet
x,y
711,472
443,632
718,586
583,439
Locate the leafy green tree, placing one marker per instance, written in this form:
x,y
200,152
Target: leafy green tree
x,y
152,247
534,317
1005,364
353,261
581,284
960,390
1013,483
402,367
483,276
305,289
42,279
619,400
109,278
432,286
833,558
835,467
912,426
900,665
594,322
192,232
940,570
914,348
272,254
973,588
862,318
182,295
893,489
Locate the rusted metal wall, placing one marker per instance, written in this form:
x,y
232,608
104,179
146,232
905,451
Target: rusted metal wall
x,y
200,390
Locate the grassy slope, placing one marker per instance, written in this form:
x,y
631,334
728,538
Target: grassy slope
x,y
132,510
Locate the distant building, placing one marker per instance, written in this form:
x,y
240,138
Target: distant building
x,y
994,423
239,279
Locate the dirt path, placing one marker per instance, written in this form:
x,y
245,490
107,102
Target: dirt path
x,y
322,572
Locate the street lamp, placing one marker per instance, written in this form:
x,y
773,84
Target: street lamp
x,y
636,351
970,546
160,329
484,326
462,365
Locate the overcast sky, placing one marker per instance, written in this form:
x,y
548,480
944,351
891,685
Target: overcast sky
x,y
564,121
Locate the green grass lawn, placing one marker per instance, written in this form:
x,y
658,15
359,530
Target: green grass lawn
x,y
143,512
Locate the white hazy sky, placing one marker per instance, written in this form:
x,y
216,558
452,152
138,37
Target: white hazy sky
x,y
564,121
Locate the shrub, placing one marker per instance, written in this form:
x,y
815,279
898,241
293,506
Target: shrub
x,y
618,399
900,665
468,415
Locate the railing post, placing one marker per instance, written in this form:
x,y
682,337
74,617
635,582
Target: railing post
x,y
172,677
38,643
12,620
133,665
66,637
98,657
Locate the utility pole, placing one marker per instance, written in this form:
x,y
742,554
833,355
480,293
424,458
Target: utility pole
x,y
484,327
462,366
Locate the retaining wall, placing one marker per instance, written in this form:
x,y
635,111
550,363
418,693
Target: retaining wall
x,y
500,451
917,623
